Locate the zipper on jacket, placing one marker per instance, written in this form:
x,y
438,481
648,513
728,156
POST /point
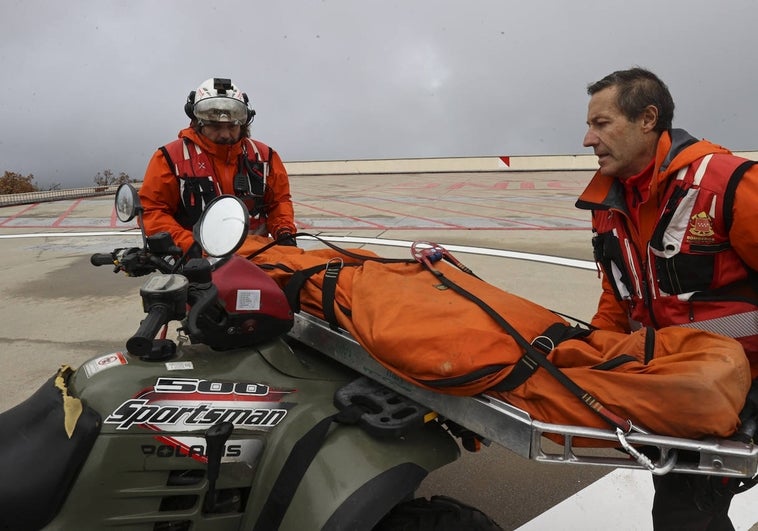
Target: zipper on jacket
x,y
648,300
643,288
637,286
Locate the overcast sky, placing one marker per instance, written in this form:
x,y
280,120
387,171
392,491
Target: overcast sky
x,y
94,85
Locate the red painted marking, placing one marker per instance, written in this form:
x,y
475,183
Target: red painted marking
x,y
416,186
566,186
500,185
63,216
423,228
469,214
19,213
506,207
506,161
359,220
401,214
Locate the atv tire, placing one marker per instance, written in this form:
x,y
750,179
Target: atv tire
x,y
439,513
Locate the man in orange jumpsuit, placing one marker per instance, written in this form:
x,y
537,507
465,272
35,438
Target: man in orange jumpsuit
x,y
215,155
675,228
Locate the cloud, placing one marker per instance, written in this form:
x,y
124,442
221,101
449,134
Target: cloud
x,y
101,84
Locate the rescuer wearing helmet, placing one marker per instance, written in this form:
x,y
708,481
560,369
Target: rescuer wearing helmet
x,y
215,155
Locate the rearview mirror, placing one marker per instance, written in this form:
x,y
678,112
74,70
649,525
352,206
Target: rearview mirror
x,y
223,226
127,203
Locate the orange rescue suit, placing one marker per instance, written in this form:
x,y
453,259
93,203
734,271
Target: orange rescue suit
x,y
216,165
691,258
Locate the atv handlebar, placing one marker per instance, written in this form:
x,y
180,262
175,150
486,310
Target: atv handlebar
x,y
175,277
135,261
141,343
164,299
101,259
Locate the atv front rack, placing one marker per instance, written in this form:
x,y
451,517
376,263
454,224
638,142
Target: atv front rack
x,y
497,421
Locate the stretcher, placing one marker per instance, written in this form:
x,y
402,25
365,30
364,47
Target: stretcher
x,y
494,420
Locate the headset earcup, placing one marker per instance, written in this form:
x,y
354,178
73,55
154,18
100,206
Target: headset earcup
x,y
250,112
189,107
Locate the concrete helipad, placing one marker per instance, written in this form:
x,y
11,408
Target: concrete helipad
x,y
60,309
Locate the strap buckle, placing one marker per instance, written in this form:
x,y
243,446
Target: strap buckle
x,y
333,267
544,343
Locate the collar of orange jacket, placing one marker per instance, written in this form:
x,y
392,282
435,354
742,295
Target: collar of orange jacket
x,y
669,158
672,154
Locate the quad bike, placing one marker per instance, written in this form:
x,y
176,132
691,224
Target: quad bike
x,y
235,425
256,418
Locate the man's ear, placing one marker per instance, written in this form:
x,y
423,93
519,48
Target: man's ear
x,y
649,118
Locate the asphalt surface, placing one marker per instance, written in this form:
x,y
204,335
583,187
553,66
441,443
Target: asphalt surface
x,y
59,309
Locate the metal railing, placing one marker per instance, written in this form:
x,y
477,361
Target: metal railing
x,y
26,198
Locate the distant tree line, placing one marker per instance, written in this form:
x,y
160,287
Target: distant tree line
x,y
15,183
106,178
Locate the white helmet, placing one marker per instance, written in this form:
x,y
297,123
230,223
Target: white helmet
x,y
218,100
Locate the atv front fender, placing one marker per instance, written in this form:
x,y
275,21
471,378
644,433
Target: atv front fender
x,y
355,478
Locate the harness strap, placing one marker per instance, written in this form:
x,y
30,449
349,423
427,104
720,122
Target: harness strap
x,y
298,278
731,188
295,284
729,193
329,291
346,252
545,342
170,162
649,343
537,357
302,454
199,187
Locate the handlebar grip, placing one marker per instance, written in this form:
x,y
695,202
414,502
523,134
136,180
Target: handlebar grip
x,y
101,259
141,343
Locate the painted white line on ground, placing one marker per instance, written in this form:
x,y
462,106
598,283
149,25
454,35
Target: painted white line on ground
x,y
557,260
485,251
622,500
68,234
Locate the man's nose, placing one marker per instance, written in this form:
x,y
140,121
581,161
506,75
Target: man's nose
x,y
590,139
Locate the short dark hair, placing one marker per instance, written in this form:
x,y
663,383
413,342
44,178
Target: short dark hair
x,y
638,88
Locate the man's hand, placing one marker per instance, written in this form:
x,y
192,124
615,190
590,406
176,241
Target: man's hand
x,y
285,237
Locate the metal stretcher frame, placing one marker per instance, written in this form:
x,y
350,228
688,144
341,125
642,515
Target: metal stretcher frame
x,y
514,429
